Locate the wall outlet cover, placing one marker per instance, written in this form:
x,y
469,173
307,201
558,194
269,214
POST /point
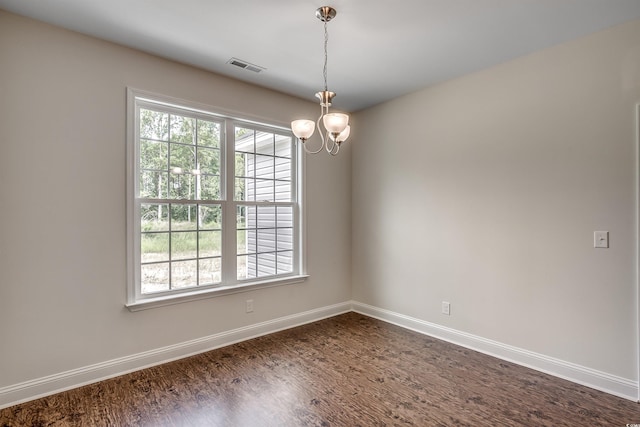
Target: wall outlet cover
x,y
446,308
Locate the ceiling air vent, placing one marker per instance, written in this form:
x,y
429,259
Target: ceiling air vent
x,y
245,65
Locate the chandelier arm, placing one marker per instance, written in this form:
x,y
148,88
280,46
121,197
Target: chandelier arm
x,y
337,150
304,145
330,147
322,146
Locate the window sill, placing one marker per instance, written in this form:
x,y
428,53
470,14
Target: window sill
x,y
147,303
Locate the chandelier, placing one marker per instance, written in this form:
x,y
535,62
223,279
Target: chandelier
x,y
336,125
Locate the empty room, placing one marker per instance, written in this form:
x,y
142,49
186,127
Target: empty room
x,y
299,213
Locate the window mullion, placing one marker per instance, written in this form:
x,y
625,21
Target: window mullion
x,y
229,234
299,225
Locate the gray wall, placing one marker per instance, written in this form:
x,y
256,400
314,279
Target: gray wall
x,y
485,191
62,224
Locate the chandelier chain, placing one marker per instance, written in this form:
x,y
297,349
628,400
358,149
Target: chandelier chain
x,y
326,40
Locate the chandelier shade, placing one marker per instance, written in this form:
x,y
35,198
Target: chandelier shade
x,y
342,136
335,122
303,128
333,128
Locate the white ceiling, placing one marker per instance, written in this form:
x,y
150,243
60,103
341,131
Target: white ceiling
x,y
377,49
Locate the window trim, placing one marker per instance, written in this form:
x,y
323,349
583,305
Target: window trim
x,y
135,300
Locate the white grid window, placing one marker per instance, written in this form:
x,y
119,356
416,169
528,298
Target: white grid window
x,y
263,183
214,201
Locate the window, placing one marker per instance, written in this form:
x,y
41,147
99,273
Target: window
x,y
214,203
265,214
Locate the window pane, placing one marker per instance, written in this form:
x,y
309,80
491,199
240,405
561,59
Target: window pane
x,y
251,240
246,217
264,167
209,271
184,274
283,146
182,159
266,217
209,243
154,217
182,186
183,217
266,265
242,243
209,187
285,239
245,164
264,143
209,161
154,278
285,216
182,129
245,140
208,133
153,185
247,267
154,247
285,262
245,189
154,125
240,169
184,245
210,217
283,191
283,169
153,155
264,190
266,240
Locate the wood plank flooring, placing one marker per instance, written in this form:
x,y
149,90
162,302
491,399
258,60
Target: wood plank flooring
x,y
348,370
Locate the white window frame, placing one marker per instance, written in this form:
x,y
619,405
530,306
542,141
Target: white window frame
x,y
230,284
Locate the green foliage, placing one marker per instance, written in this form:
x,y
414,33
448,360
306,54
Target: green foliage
x,y
154,243
201,230
184,244
182,129
208,134
154,125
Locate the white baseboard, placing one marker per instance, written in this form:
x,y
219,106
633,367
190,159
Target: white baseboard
x,y
602,381
40,387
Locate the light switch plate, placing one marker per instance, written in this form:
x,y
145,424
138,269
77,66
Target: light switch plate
x,y
600,239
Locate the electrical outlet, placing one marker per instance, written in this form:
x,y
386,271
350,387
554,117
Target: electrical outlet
x,y
446,308
249,306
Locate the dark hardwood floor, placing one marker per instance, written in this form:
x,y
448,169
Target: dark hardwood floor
x,y
348,370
